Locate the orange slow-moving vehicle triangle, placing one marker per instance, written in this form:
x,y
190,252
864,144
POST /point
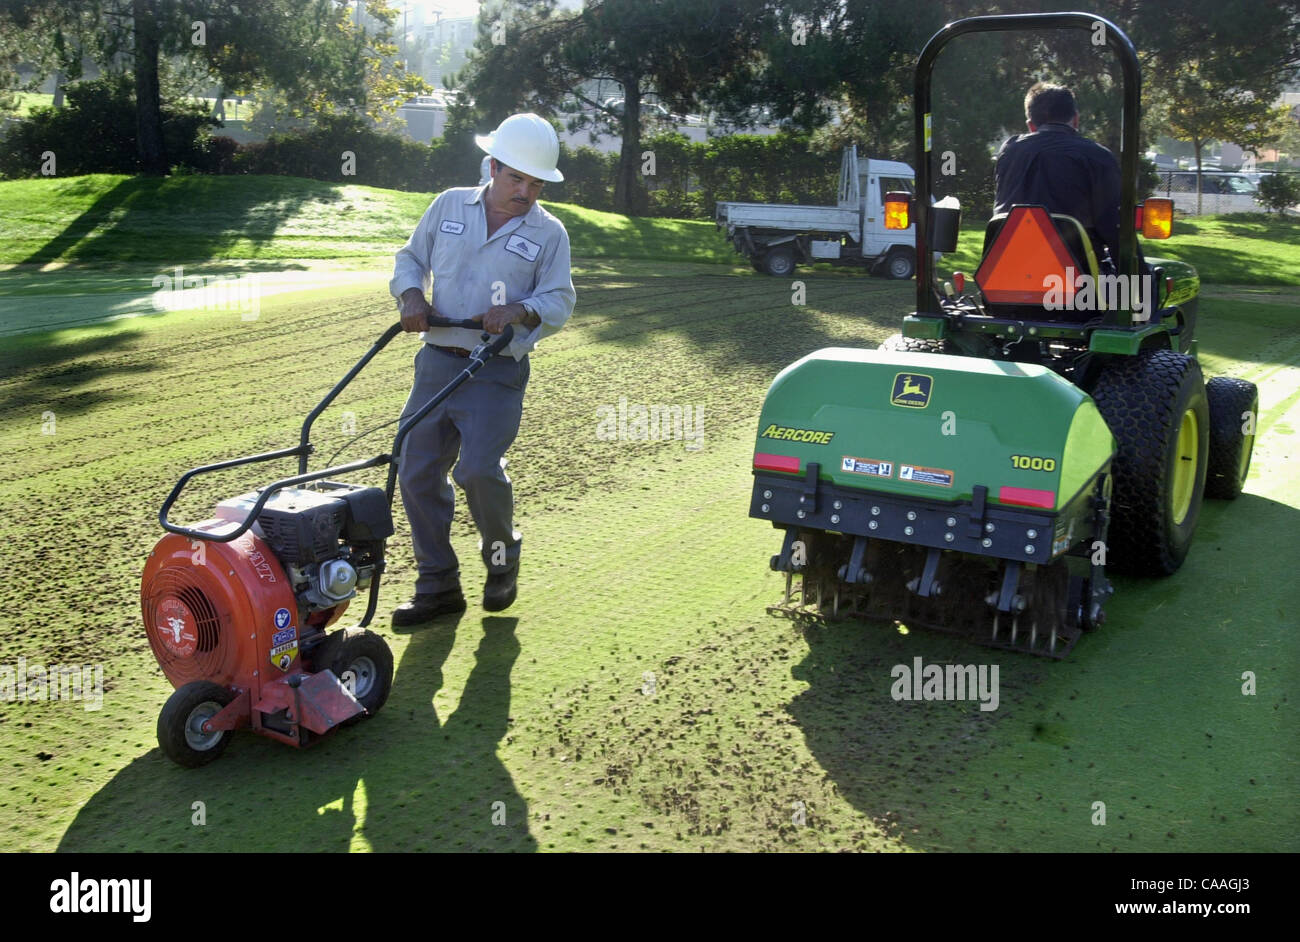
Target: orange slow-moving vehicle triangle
x,y
1026,253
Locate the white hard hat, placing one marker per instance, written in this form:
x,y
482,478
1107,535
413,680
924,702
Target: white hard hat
x,y
526,142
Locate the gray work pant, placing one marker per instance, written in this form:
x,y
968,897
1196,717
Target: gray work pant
x,y
479,420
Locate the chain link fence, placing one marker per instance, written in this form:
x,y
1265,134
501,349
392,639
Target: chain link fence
x,y
1221,191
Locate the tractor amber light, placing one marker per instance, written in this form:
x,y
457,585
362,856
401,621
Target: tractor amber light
x,y
765,462
1157,217
897,209
1026,258
1027,497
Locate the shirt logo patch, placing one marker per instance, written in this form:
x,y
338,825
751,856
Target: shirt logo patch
x,y
450,225
522,247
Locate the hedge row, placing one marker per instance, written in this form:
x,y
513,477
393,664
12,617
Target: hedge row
x,y
94,133
683,179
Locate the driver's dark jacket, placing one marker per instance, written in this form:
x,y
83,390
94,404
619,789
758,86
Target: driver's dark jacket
x,y
1067,173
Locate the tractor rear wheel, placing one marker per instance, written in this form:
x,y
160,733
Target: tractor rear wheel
x,y
897,342
1156,407
1234,410
180,725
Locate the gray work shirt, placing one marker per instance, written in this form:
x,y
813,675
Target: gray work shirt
x,y
525,261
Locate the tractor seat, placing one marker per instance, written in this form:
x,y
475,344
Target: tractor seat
x,y
1014,269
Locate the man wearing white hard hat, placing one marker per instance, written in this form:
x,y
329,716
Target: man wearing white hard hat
x,y
490,253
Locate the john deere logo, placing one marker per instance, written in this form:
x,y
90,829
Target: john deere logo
x,y
911,390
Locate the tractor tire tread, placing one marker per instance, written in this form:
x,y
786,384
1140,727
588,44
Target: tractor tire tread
x,y
1142,400
1230,400
899,343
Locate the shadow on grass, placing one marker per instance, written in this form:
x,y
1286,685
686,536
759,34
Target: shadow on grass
x,y
1233,266
729,317
898,762
1146,715
179,219
51,372
402,781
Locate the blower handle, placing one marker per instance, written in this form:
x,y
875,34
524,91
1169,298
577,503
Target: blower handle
x,y
490,346
304,438
264,495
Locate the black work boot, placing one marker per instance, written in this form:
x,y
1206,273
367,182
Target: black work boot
x,y
426,606
500,590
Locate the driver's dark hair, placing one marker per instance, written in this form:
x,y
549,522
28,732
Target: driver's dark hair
x,y
1050,104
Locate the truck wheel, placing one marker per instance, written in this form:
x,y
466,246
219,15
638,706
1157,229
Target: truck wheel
x,y
1156,407
896,342
900,264
779,261
1234,410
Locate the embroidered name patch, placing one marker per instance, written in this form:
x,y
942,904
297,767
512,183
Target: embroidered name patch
x,y
452,226
522,247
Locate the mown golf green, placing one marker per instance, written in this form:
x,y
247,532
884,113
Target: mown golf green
x,y
638,695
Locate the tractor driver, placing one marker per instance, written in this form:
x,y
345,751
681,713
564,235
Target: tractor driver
x,y
1055,166
491,253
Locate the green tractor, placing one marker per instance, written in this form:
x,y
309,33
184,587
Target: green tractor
x,y
981,470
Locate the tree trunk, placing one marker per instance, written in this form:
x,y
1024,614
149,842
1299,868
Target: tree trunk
x,y
1196,146
58,88
148,106
629,188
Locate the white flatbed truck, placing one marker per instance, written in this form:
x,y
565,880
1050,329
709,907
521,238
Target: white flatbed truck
x,y
776,238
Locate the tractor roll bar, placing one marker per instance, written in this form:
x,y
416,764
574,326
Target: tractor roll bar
x,y
1116,38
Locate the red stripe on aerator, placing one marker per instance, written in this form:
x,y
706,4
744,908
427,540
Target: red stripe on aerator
x,y
1027,497
765,462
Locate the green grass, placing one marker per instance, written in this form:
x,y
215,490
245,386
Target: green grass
x,y
640,557
113,219
1236,249
30,101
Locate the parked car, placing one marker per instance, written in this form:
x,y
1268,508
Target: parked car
x,y
1221,191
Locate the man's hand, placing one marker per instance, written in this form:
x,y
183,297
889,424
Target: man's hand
x,y
495,318
415,310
